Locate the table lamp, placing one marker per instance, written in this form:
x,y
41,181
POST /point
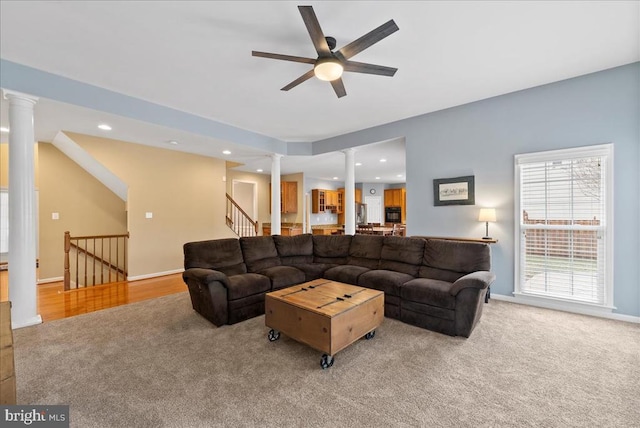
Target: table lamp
x,y
487,215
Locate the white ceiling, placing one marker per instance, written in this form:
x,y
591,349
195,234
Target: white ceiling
x,y
196,57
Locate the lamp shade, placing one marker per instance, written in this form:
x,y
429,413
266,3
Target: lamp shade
x,y
328,69
487,214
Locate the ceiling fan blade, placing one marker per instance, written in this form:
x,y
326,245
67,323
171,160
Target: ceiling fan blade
x,y
313,27
338,86
283,57
361,67
306,76
367,40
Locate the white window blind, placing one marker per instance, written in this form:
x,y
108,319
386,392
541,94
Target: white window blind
x,y
564,237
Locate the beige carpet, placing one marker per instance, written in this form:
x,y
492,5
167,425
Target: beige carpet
x,y
158,364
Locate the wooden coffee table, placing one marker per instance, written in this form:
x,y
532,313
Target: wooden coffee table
x,y
326,315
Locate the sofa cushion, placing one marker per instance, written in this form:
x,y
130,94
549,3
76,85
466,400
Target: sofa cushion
x,y
283,276
259,252
428,291
401,254
247,284
313,270
223,255
384,280
332,249
345,273
449,260
365,251
294,249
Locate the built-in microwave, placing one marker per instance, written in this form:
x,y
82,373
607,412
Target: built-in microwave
x,y
393,215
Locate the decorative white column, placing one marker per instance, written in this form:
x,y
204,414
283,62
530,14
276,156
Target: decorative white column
x,y
349,192
22,212
275,194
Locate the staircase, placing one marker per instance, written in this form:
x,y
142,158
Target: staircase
x,y
94,260
239,221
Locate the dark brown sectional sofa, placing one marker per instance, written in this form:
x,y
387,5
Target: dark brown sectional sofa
x,y
435,284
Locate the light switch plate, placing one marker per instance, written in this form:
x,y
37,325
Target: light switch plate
x,y
55,216
148,215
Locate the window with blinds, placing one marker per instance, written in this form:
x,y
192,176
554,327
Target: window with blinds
x,y
564,241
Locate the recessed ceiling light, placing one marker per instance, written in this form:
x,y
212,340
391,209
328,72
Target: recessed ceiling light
x,y
399,175
4,129
259,170
377,178
383,160
335,178
104,127
173,142
226,152
358,163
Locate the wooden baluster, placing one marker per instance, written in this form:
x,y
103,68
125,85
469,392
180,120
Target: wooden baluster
x,y
67,274
93,261
126,270
101,260
86,249
110,239
77,263
118,258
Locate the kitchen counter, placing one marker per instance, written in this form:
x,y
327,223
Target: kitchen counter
x,y
327,229
286,229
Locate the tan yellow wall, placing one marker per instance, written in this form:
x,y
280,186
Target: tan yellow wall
x,y
4,165
185,193
84,205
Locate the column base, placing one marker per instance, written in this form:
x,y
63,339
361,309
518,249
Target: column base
x,y
27,322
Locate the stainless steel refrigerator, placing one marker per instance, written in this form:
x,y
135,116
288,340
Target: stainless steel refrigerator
x,y
361,213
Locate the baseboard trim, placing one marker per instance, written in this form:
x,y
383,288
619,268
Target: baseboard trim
x,y
26,323
608,315
154,275
48,280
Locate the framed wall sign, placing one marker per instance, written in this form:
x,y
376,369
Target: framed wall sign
x,y
454,191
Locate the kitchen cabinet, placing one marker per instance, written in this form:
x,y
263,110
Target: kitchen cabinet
x,y
288,197
342,198
317,201
397,198
331,199
394,197
328,200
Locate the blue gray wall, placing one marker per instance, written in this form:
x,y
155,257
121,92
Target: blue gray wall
x,y
482,138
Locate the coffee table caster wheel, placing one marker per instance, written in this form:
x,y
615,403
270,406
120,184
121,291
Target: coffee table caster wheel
x,y
273,335
370,335
326,361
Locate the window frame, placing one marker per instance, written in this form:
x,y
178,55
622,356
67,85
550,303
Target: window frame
x,y
607,152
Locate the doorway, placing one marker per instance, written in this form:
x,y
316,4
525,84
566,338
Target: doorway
x,y
374,209
245,193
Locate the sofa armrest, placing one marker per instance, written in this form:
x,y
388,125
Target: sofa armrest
x,y
205,276
479,280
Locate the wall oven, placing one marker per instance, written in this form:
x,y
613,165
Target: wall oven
x,y
393,215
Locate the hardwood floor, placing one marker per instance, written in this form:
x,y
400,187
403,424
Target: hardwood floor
x,y
55,303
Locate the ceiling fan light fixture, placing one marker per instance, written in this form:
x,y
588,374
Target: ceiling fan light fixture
x,y
328,69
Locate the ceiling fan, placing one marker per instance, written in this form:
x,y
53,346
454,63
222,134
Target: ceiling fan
x,y
329,65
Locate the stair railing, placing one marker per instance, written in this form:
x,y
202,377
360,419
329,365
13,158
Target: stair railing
x,y
98,259
239,221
